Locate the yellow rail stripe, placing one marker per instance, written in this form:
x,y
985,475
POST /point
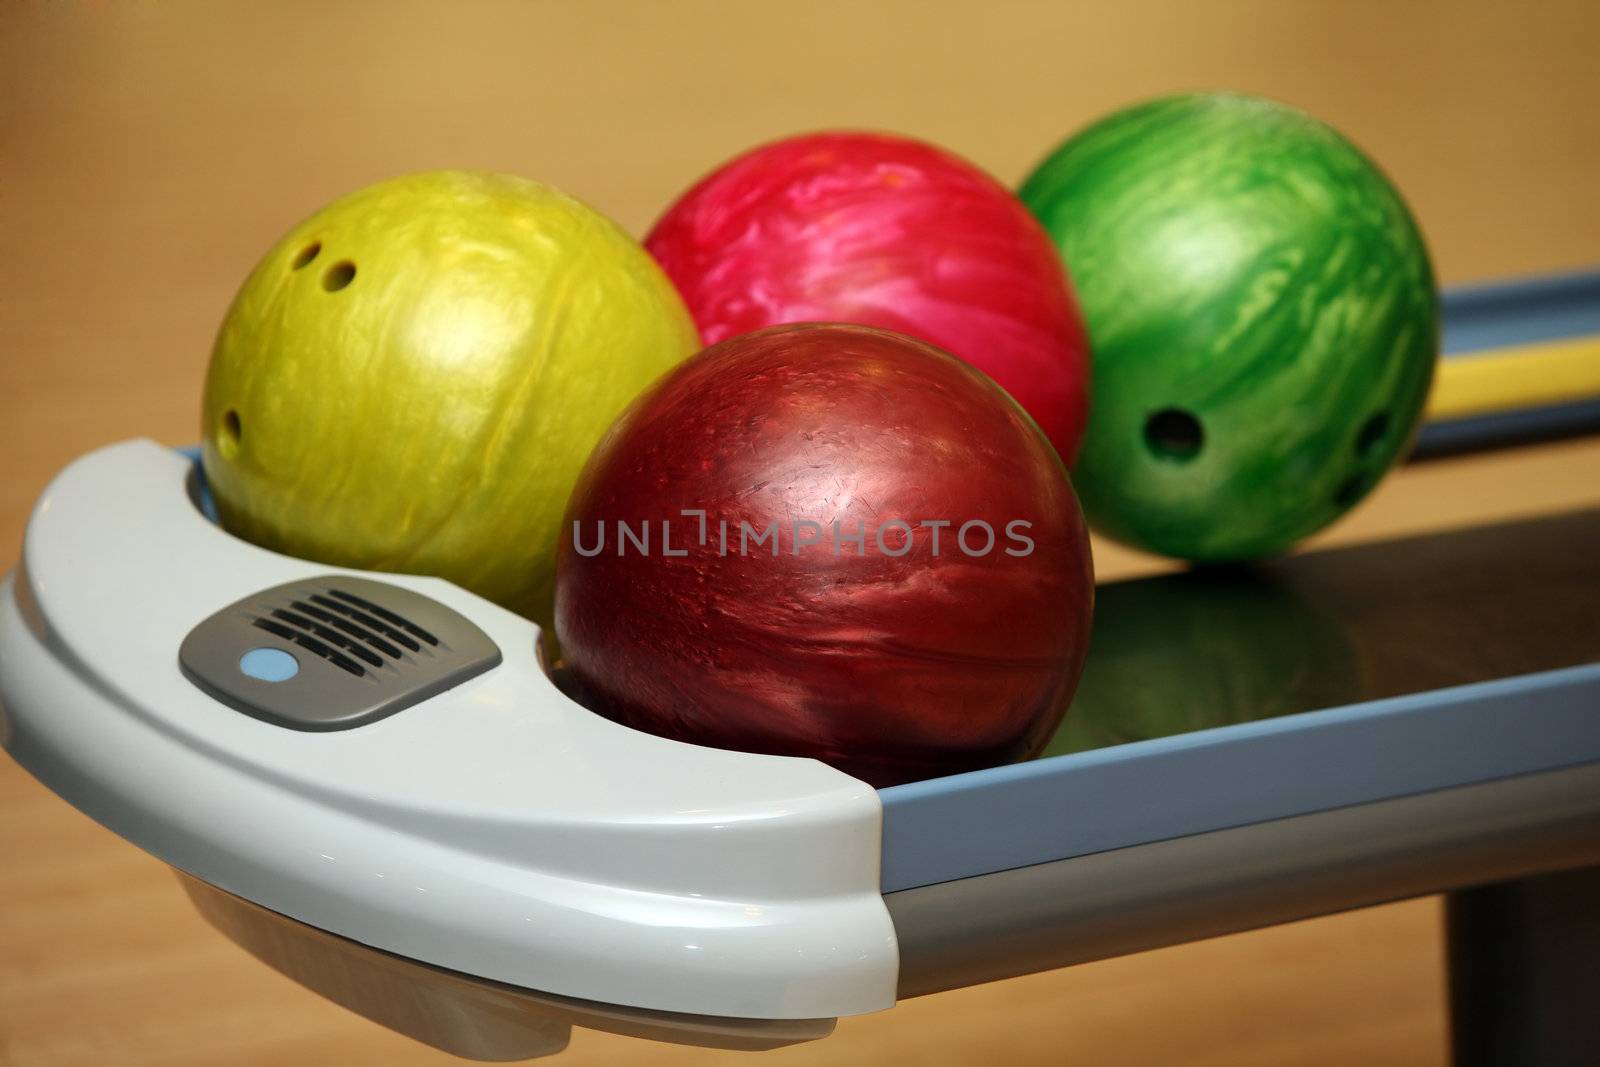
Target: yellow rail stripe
x,y
1511,379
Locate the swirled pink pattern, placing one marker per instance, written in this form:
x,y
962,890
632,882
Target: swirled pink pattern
x,y
887,232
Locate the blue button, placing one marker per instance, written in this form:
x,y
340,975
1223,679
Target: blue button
x,y
269,664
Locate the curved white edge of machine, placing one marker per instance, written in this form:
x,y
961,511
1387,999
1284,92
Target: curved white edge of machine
x,y
497,828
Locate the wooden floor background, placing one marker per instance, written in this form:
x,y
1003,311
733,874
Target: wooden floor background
x,y
149,153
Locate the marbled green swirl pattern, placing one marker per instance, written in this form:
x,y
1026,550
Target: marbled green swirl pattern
x,y
1241,262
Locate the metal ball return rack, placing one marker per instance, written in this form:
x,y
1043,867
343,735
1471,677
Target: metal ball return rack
x,y
370,783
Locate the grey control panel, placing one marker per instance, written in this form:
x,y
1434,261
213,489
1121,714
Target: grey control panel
x,y
333,652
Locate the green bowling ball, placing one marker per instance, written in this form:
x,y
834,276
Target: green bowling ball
x,y
1263,317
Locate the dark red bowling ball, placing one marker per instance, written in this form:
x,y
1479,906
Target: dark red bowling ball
x,y
828,541
890,232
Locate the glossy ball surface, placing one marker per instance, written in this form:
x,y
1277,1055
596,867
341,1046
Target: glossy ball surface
x,y
1205,648
411,379
888,232
895,659
1263,315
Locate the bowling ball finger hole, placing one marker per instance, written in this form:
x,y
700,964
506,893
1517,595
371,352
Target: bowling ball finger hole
x,y
1372,434
338,276
1174,434
1349,492
307,254
229,434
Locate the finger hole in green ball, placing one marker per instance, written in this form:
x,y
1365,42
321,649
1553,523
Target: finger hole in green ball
x,y
307,254
338,276
1173,434
1373,431
1349,492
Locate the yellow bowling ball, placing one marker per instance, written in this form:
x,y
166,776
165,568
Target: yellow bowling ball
x,y
413,377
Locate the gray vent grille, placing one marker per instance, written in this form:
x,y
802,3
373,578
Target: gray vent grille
x,y
360,649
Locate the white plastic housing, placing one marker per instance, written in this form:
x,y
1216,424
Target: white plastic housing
x,y
497,829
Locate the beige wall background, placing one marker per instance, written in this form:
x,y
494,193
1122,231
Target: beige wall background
x,y
150,152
